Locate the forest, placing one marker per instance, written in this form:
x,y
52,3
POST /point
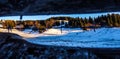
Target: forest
x,y
109,20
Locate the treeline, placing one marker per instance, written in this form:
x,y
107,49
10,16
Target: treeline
x,y
110,20
21,25
40,25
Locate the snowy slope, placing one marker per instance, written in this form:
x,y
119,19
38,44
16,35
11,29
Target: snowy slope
x,y
104,37
23,34
75,37
28,33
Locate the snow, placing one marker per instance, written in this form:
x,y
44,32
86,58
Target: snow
x,y
103,37
74,37
23,34
28,33
54,32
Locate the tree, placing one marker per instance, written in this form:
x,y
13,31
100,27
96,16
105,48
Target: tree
x,y
10,23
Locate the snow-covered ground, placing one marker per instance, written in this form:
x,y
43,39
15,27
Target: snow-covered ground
x,y
23,34
28,33
75,37
102,38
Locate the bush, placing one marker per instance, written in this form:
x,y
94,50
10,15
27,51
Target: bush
x,y
42,28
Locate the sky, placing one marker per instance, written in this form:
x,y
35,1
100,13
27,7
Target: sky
x,y
44,17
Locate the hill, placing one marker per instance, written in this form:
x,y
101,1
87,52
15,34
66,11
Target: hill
x,y
13,46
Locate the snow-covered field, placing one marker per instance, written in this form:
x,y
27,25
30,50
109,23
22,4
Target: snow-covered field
x,y
102,38
28,33
23,34
75,37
